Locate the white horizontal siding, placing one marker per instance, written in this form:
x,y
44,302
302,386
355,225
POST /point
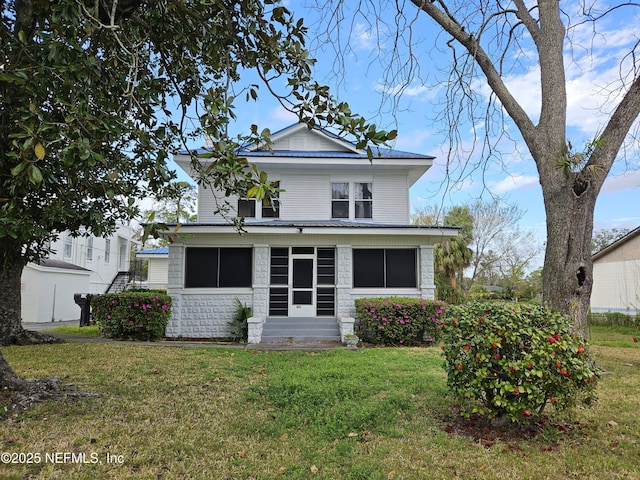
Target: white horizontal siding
x,y
616,286
391,199
209,202
305,197
158,268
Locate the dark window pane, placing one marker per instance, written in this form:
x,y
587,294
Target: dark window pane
x,y
201,267
363,209
272,209
303,297
340,190
302,272
246,208
340,209
401,267
303,250
368,267
235,267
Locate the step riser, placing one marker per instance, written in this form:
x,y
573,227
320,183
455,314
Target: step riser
x,y
296,330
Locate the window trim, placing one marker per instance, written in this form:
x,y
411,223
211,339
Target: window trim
x,y
354,190
341,199
362,201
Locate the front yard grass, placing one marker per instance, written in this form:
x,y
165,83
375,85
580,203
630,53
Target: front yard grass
x,y
380,413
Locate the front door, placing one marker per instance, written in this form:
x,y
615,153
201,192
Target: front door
x,y
302,300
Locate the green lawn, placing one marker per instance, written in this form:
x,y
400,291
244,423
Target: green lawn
x,y
216,413
90,331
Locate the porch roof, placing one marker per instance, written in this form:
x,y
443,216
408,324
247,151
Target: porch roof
x,y
326,227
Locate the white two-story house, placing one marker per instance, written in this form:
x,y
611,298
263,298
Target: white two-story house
x,y
339,231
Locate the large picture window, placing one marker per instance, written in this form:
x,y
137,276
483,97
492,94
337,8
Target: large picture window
x,y
384,268
218,267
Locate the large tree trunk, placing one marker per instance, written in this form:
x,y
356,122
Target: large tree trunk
x,y
11,331
568,269
10,301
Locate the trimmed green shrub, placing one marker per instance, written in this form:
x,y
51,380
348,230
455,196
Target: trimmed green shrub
x,y
137,315
398,321
511,360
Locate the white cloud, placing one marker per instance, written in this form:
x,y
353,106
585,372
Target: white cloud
x,y
413,141
513,182
626,181
362,37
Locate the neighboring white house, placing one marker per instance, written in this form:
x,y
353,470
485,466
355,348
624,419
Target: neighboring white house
x,y
339,231
158,266
616,276
76,265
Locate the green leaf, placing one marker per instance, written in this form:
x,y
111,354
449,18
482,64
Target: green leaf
x,y
34,174
18,169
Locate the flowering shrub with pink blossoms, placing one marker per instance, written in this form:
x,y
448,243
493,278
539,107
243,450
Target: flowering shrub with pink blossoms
x,y
398,321
137,315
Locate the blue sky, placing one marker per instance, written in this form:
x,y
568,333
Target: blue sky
x,y
362,78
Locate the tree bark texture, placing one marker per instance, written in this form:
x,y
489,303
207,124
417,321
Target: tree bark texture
x,y
567,277
11,331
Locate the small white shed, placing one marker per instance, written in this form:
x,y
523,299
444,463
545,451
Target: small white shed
x,y
158,258
53,283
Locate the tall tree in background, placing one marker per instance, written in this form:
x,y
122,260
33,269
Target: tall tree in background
x,y
87,90
606,236
499,244
488,41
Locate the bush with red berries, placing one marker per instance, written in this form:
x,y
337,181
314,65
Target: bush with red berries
x,y
511,360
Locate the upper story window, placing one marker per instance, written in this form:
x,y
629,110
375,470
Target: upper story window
x,y
107,250
343,205
90,248
363,201
68,243
246,207
340,200
272,209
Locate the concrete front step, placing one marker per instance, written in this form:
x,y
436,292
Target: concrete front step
x,y
300,330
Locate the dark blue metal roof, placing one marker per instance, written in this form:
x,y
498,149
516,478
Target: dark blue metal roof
x,y
154,251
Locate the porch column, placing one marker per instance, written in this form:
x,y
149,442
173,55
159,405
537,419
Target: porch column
x,y
175,284
344,267
427,274
260,280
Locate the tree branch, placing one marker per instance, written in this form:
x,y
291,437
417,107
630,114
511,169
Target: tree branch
x,y
473,47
